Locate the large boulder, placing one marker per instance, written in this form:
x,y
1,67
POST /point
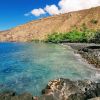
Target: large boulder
x,y
65,89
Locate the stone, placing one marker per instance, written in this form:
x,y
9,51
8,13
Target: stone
x,y
98,89
13,96
25,96
97,98
6,95
78,96
46,97
65,89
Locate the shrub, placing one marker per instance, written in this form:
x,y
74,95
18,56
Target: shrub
x,y
85,35
94,21
89,34
96,38
84,28
56,37
75,36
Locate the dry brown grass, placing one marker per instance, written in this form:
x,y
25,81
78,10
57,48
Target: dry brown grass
x,y
39,29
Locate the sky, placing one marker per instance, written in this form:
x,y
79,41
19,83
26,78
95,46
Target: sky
x,y
17,12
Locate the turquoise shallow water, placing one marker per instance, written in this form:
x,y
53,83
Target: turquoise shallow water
x,y
27,67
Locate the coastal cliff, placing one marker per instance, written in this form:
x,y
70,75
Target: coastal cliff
x,y
39,29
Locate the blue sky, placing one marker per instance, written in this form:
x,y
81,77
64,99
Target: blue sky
x,y
12,11
17,12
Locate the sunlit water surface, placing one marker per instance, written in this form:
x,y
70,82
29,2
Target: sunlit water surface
x,y
28,67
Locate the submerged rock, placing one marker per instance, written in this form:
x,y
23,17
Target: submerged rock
x,y
14,96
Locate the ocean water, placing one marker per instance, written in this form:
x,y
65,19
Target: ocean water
x,y
28,67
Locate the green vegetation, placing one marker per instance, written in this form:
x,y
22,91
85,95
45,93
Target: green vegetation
x,y
73,36
56,37
94,21
89,34
84,35
36,40
96,38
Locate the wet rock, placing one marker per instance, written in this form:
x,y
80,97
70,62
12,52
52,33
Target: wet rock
x,y
46,97
6,95
25,96
13,96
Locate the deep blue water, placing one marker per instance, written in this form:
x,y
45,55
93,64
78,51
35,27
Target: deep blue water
x,y
27,67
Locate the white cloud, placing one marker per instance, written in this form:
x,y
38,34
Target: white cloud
x,y
74,5
65,6
38,12
52,9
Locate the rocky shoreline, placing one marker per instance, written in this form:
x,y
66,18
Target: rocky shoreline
x,y
61,89
89,51
92,55
65,89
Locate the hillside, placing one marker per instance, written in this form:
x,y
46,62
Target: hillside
x,y
39,29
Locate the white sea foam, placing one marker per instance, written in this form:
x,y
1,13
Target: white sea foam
x,y
95,77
